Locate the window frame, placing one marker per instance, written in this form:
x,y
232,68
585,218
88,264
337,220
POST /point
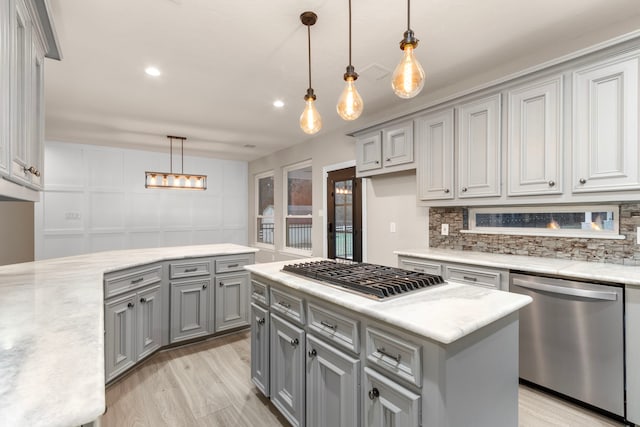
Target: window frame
x,y
575,233
258,215
286,216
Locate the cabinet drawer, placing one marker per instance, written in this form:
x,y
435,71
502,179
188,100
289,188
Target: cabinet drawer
x,y
398,356
229,263
126,280
178,270
260,293
287,305
486,278
340,329
421,266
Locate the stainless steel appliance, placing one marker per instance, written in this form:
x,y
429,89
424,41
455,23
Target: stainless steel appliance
x,y
572,339
371,280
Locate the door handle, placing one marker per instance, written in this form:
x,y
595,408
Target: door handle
x,y
330,227
583,293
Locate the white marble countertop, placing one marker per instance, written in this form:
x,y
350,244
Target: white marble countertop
x,y
443,313
596,271
51,333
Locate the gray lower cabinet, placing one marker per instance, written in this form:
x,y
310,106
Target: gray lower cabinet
x,y
387,403
287,373
260,348
231,301
333,386
132,329
189,309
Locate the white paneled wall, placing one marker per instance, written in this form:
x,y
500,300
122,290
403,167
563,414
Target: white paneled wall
x,y
95,200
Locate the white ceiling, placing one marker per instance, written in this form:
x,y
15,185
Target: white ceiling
x,y
225,62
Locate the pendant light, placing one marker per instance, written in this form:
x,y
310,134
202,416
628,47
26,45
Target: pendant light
x,y
179,181
350,103
408,77
310,120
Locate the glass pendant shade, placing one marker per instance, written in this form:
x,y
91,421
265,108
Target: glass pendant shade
x,y
310,120
408,77
350,103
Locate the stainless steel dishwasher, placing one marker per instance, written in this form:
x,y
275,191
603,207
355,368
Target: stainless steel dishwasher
x,y
572,339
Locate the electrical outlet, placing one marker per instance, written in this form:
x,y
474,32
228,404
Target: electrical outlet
x,y
444,229
72,215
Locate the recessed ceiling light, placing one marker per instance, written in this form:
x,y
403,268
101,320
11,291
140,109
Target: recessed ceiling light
x,y
152,71
278,103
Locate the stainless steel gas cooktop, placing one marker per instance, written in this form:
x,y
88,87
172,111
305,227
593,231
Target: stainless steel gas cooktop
x,y
374,281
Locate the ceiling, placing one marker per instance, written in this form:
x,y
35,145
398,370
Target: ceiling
x,y
223,63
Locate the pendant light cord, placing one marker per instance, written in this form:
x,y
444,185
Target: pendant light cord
x,y
349,32
408,14
309,51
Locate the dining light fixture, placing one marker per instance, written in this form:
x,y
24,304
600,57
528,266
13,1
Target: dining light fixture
x,y
180,181
350,103
408,77
310,120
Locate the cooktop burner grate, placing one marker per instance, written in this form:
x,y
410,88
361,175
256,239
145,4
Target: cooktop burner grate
x,y
377,281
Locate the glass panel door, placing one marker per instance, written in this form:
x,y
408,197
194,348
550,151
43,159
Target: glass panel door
x,y
344,215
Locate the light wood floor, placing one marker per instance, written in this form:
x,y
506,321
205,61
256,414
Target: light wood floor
x,y
208,384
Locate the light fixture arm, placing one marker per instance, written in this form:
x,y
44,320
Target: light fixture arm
x,y
350,69
408,15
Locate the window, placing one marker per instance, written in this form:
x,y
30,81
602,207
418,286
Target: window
x,y
298,206
264,204
595,221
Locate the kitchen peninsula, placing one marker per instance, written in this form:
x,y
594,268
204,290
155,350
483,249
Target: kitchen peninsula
x,y
442,356
52,330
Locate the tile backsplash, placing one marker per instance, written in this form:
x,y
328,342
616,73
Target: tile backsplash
x,y
597,250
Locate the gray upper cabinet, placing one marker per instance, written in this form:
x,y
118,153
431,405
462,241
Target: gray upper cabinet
x,y
478,143
189,309
231,301
434,147
333,392
535,136
260,322
605,125
390,149
287,372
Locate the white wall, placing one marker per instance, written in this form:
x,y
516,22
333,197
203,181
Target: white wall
x,y
95,200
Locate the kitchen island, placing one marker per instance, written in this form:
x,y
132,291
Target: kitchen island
x,y
52,365
442,356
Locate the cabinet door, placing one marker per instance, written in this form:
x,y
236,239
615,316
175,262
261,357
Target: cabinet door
x,y
434,145
287,373
148,322
260,348
368,152
535,138
120,351
232,301
397,144
189,309
20,89
6,17
387,403
333,386
35,137
605,120
479,148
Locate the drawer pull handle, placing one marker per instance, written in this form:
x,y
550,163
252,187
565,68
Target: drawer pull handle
x,y
284,304
204,286
138,280
130,305
446,190
313,353
552,183
383,352
261,321
583,181
190,270
294,342
388,159
377,162
374,393
420,270
258,291
328,325
470,279
221,284
464,189
143,300
233,265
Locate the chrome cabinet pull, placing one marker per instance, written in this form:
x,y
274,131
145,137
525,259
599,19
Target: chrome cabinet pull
x,y
464,189
377,162
446,190
261,321
575,292
138,280
233,265
204,286
221,284
470,279
374,393
190,270
130,305
284,304
143,300
382,351
328,325
294,342
552,183
313,353
388,159
583,181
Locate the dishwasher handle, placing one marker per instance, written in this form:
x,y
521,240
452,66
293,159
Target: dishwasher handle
x,y
583,293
